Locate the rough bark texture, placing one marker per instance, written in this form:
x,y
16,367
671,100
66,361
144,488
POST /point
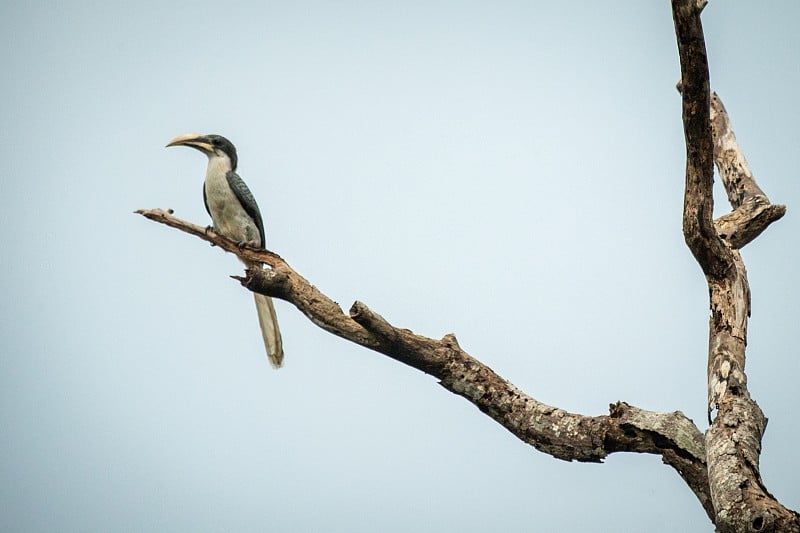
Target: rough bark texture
x,y
733,443
752,210
722,467
561,434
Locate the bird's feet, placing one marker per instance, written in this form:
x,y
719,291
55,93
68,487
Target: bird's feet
x,y
208,229
248,244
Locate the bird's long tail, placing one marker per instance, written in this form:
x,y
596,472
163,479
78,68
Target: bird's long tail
x,y
268,321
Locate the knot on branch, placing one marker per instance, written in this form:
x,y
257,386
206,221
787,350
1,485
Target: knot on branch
x,y
617,410
373,322
451,341
273,282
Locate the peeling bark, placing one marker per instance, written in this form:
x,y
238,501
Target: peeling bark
x,y
733,443
752,210
556,432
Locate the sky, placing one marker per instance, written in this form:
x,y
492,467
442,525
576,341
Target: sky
x,y
511,172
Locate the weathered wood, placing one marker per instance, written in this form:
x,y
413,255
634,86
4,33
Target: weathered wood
x,y
733,443
561,434
752,210
698,228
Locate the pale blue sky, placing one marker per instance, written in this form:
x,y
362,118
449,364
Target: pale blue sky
x,y
508,171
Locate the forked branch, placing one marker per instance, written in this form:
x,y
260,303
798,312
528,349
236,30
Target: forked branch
x,y
733,443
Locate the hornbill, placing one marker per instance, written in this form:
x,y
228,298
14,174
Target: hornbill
x,y
234,214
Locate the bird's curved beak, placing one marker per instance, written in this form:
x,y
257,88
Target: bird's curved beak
x,y
195,140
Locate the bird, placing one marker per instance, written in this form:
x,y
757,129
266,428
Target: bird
x,y
235,214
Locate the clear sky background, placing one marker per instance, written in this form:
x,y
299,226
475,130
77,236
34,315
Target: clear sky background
x,y
511,172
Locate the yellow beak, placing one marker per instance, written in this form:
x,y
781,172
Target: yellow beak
x,y
195,140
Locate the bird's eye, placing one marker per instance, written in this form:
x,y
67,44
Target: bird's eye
x,y
216,142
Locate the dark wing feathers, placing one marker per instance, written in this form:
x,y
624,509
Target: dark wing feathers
x,y
248,202
205,200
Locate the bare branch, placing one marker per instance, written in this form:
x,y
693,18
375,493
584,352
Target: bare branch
x,y
733,443
752,210
736,176
701,237
563,435
742,225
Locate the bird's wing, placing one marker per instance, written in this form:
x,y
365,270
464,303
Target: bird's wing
x,y
205,200
248,202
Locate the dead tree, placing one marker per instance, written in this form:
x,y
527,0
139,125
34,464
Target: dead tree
x,y
721,467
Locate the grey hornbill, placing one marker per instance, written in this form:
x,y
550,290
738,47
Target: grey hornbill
x,y
235,215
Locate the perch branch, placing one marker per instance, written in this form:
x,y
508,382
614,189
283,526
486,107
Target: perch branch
x,y
563,435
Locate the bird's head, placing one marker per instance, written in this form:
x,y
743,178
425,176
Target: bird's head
x,y
211,145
